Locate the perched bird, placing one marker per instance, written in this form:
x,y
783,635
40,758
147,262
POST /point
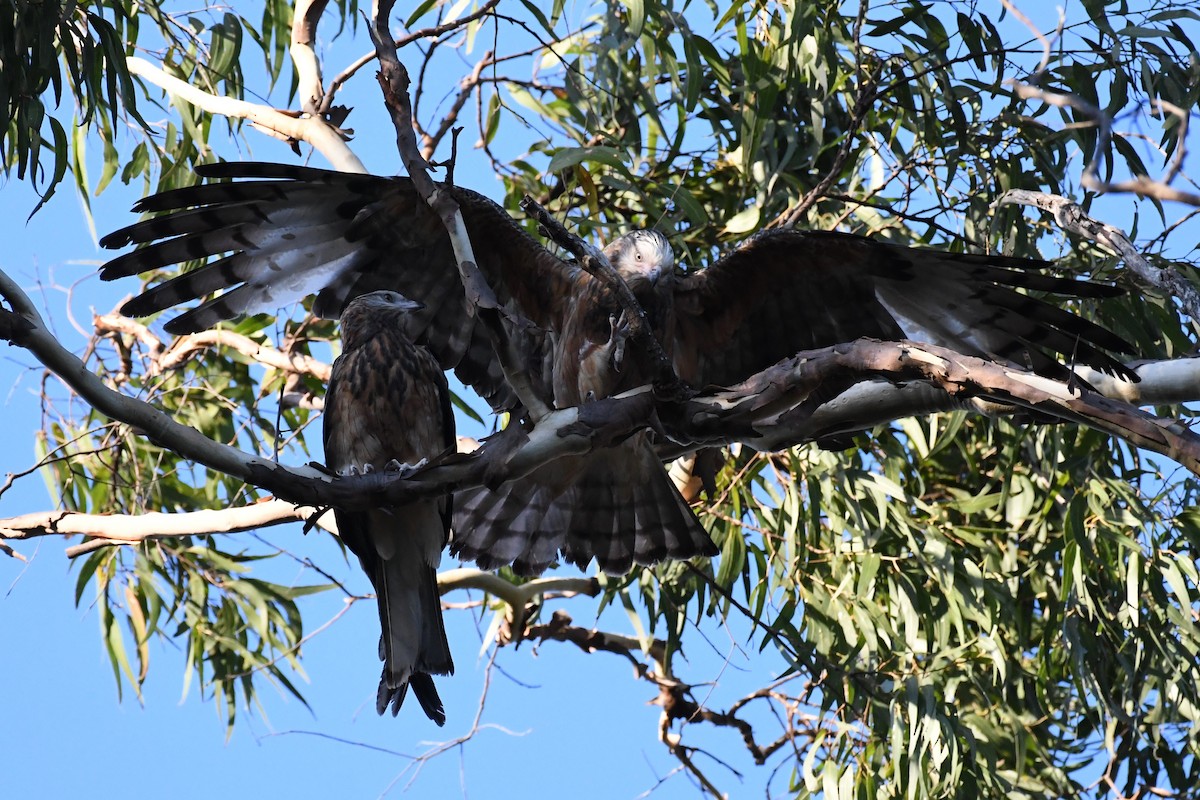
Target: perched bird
x,y
295,231
387,405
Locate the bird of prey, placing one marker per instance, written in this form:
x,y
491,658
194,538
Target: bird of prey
x,y
295,231
388,404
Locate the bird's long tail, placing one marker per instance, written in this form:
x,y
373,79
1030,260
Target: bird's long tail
x,y
618,506
413,644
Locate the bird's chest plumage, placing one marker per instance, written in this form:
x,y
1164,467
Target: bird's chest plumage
x,y
593,359
384,403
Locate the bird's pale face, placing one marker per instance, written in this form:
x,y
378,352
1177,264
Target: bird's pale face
x,y
641,255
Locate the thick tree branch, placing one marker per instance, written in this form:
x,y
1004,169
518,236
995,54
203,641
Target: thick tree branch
x,y
305,19
773,409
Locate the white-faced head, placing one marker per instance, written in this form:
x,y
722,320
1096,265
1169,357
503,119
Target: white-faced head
x,y
643,254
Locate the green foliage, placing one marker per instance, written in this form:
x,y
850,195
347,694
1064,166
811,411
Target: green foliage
x,y
983,607
37,40
235,628
49,47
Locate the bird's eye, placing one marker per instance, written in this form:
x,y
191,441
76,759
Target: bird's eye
x,y
638,256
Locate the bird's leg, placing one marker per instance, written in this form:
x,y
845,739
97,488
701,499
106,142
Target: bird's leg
x,y
621,330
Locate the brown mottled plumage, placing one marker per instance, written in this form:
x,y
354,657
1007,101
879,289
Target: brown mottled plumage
x,y
388,402
299,231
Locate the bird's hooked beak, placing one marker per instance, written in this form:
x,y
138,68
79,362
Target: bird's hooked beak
x,y
405,304
389,298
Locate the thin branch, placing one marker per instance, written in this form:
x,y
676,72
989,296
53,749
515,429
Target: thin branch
x,y
1071,217
430,141
394,80
1140,185
1047,43
589,640
867,91
163,359
437,30
288,126
593,260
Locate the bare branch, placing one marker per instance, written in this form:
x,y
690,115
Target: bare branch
x,y
1047,42
163,359
430,141
288,126
110,529
394,80
305,19
560,629
1141,185
425,33
1070,217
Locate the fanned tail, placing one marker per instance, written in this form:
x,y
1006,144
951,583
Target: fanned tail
x,y
618,506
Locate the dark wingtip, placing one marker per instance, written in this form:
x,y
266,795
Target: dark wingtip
x,y
116,240
119,267
182,325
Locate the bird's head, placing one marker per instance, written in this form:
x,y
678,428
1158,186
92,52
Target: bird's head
x,y
641,255
366,314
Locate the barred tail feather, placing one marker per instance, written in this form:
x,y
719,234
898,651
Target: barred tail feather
x,y
620,508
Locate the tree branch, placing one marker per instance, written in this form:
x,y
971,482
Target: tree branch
x,y
1141,185
394,80
288,126
366,58
305,19
163,358
1070,217
774,409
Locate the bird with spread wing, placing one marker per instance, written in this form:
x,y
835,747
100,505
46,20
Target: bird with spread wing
x,y
388,404
295,231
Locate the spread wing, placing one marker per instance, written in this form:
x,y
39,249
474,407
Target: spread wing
x,y
387,400
290,232
786,291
